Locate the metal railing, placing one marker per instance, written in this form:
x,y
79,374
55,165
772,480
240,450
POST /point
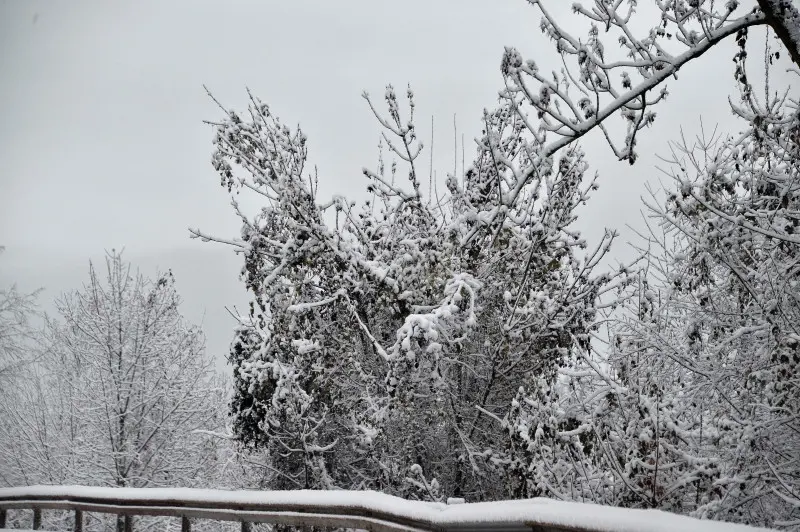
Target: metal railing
x,y
343,509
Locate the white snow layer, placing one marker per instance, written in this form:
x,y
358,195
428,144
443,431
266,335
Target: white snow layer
x,y
540,511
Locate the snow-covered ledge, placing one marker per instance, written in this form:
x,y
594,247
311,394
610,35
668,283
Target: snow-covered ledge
x,y
352,509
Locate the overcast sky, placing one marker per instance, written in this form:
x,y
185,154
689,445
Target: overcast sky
x,y
102,143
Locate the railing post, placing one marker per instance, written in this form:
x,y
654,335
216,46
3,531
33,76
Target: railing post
x,y
78,521
2,518
37,518
128,523
245,526
186,525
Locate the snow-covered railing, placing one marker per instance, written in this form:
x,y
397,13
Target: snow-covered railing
x,y
346,509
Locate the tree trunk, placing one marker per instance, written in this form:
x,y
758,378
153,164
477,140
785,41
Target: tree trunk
x,y
784,17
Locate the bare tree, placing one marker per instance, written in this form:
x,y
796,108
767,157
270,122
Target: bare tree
x,y
16,330
120,392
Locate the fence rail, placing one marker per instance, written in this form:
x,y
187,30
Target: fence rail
x,y
344,509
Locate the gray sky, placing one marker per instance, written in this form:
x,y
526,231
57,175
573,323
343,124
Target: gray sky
x,y
102,143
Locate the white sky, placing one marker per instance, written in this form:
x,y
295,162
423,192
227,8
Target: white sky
x,y
102,143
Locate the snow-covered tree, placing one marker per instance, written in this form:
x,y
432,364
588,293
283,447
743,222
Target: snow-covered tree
x,y
619,71
122,393
137,375
446,345
18,351
621,67
16,330
737,207
385,342
702,417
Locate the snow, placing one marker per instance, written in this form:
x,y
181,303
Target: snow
x,y
425,515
